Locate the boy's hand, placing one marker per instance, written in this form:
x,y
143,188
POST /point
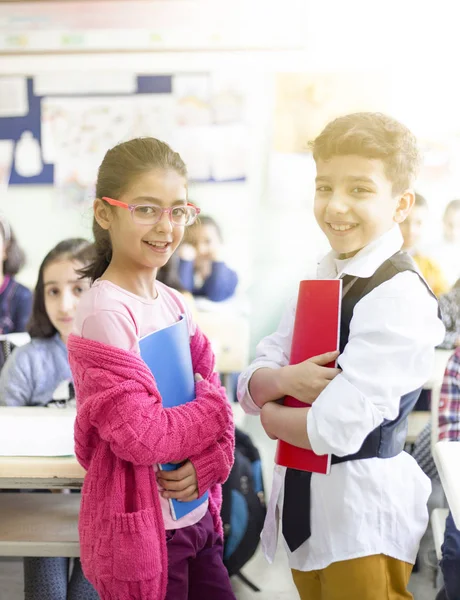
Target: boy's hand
x,y
308,379
181,484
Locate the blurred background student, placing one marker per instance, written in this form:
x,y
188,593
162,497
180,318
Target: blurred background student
x,y
412,230
34,371
449,305
15,299
446,252
202,270
31,376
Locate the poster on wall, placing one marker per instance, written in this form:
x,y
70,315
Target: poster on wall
x,y
63,137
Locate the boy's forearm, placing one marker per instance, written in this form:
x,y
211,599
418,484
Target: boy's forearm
x,y
287,424
266,385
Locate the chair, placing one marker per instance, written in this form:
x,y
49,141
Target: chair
x,y
438,525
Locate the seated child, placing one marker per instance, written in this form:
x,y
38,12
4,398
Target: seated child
x,y
30,377
354,533
15,299
450,310
412,229
449,429
201,268
447,252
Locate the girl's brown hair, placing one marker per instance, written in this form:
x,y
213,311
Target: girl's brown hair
x,y
74,249
14,255
121,165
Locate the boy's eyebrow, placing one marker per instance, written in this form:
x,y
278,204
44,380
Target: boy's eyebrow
x,y
362,178
352,178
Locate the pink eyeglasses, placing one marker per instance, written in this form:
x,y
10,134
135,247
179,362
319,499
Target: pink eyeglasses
x,y
182,215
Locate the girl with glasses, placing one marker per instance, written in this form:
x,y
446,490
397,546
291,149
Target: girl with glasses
x,y
131,546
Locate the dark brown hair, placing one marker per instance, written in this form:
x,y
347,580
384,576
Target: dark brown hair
x,y
15,257
374,136
169,274
74,249
120,166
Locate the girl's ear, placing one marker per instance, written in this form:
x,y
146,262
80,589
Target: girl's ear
x,y
102,213
405,204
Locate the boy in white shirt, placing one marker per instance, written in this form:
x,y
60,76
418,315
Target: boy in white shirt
x,y
354,534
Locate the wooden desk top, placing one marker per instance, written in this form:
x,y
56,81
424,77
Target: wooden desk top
x,y
40,472
447,458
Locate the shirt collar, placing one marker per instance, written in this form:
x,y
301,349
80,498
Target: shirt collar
x,y
367,260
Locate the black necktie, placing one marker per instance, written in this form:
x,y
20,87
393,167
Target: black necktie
x,y
296,508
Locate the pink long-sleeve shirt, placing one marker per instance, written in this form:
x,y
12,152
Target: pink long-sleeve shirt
x,y
120,431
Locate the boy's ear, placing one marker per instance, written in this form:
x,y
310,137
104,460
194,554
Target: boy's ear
x,y
102,213
405,204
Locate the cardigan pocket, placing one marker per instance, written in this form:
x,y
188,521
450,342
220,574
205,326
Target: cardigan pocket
x,y
136,548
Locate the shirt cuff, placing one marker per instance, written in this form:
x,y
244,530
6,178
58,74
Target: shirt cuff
x,y
340,419
244,396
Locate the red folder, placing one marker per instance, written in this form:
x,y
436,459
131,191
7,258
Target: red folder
x,y
316,331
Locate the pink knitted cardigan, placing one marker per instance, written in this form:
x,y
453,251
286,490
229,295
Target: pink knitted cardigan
x,y
121,430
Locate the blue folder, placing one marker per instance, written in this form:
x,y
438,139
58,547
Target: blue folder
x,y
167,354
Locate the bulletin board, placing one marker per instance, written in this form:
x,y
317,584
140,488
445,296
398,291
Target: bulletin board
x,y
60,138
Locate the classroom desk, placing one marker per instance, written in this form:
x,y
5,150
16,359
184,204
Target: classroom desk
x,y
447,458
40,472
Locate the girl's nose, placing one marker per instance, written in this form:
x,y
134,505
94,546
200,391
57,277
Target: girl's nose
x,y
164,224
67,302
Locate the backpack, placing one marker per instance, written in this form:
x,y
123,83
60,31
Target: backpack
x,y
243,507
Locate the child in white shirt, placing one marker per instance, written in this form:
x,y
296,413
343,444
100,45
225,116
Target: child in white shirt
x,y
368,515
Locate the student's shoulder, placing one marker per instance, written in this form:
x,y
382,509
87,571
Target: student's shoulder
x,y
28,356
103,298
404,285
21,292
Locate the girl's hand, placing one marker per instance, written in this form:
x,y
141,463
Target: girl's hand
x,y
181,484
198,377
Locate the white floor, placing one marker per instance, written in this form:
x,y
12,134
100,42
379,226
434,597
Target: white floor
x,y
274,580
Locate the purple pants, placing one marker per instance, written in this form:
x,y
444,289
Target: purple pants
x,y
195,567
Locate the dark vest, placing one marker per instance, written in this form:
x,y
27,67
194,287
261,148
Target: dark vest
x,y
389,438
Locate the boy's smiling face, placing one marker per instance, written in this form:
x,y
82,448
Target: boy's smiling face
x,y
355,202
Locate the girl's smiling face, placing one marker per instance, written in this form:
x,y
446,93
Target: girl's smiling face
x,y
63,289
145,246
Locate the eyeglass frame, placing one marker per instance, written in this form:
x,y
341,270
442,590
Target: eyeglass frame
x,y
168,211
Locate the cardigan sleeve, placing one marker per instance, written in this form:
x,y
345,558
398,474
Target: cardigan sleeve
x,y
141,431
215,463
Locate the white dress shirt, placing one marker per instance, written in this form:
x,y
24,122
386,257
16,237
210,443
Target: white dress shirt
x,y
371,506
